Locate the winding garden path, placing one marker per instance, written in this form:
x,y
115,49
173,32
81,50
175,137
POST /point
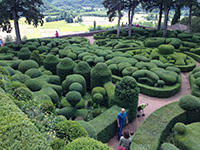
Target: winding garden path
x,y
154,104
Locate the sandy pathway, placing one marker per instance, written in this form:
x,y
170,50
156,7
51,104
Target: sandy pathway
x,y
154,104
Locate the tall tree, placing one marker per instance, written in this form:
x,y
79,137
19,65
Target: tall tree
x,y
130,6
114,7
150,5
177,15
14,9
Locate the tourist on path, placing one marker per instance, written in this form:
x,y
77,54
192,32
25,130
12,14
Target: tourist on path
x,y
125,140
57,35
122,120
141,109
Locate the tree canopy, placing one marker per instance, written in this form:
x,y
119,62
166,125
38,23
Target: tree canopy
x,y
14,9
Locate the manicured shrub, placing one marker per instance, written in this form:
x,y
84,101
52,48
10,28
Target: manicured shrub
x,y
145,65
47,106
76,87
81,105
89,128
50,63
98,59
33,84
189,44
54,79
86,143
100,90
100,74
126,94
63,53
57,143
70,130
15,84
20,77
114,69
123,65
24,54
15,64
75,78
65,67
96,112
68,112
180,128
98,99
141,58
189,103
165,49
175,69
10,70
33,73
43,49
128,71
37,57
4,49
23,94
73,97
168,146
27,64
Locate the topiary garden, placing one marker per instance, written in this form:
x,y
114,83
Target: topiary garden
x,y
57,81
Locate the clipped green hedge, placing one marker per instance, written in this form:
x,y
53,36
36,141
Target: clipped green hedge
x,y
26,65
16,130
106,123
50,63
24,54
162,120
193,78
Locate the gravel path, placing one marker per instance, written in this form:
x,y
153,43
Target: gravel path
x,y
154,104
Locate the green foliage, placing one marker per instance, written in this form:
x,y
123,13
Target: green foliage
x,y
24,54
174,42
43,49
76,87
47,106
37,57
15,64
54,79
65,67
23,94
4,49
180,128
33,73
100,90
20,77
98,99
33,84
68,112
114,69
73,97
50,63
127,93
17,131
189,103
75,78
57,143
26,65
100,74
110,92
168,146
166,49
86,143
128,71
10,70
96,112
3,71
89,128
70,130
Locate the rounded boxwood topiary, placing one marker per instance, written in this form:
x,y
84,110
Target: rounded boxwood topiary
x,y
100,74
23,94
65,67
76,87
33,85
189,103
166,49
50,63
89,128
100,90
168,146
10,70
180,128
24,54
57,143
47,106
54,79
27,64
37,57
4,49
86,143
20,77
43,49
15,64
70,130
68,112
98,99
114,69
83,69
3,71
75,78
128,71
73,97
33,73
15,84
96,112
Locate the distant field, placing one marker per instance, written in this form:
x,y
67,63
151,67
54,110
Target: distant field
x,y
49,28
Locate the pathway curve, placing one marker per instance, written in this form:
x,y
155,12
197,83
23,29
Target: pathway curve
x,y
154,104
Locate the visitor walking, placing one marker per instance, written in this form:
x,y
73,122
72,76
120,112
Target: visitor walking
x,y
1,43
57,35
141,109
122,120
125,141
131,135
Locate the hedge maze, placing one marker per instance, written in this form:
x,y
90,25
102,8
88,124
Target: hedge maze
x,y
56,81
